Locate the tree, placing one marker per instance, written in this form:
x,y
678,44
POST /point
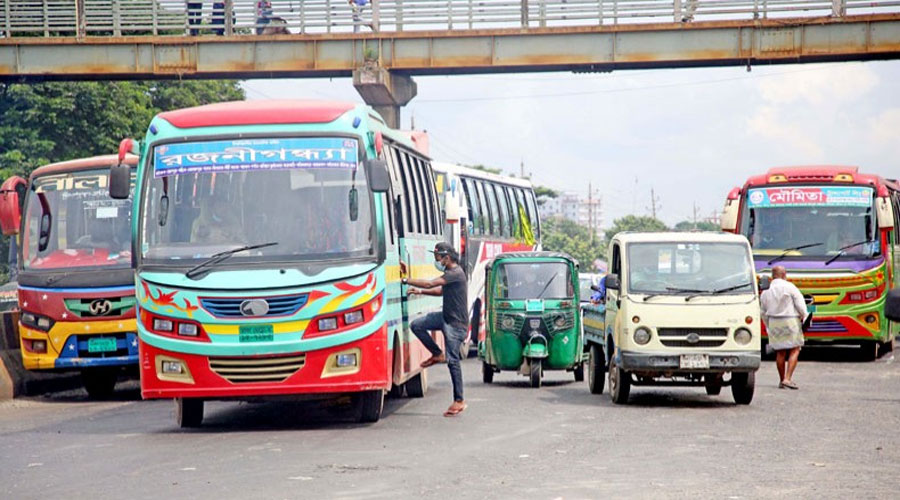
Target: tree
x,y
702,225
564,235
542,193
49,122
634,223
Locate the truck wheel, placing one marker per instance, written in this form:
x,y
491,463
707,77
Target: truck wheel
x,y
596,370
370,404
100,383
487,372
742,385
713,385
619,383
417,386
535,372
188,412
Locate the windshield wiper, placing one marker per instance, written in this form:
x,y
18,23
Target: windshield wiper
x,y
841,250
695,293
540,295
789,250
203,267
731,288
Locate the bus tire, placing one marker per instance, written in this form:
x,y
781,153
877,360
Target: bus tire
x,y
370,404
100,383
596,369
619,383
487,372
888,346
188,412
534,371
742,386
868,350
417,386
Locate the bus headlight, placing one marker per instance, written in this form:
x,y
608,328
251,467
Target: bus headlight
x,y
742,336
642,335
36,321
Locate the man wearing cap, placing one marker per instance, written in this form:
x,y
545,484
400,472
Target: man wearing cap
x,y
453,320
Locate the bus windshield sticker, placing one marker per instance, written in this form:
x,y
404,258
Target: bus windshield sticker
x,y
809,196
254,154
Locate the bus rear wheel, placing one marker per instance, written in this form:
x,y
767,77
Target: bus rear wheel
x,y
188,412
417,386
369,404
100,383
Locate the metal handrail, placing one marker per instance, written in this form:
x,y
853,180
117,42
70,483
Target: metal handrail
x,y
93,18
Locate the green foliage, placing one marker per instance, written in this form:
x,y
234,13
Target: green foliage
x,y
543,192
563,235
687,225
634,223
50,122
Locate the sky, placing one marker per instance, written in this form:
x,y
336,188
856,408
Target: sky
x,y
689,135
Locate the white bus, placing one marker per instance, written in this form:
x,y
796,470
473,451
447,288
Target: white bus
x,y
485,215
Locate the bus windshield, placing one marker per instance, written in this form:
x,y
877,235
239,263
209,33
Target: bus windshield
x,y
71,222
660,268
545,280
306,195
825,221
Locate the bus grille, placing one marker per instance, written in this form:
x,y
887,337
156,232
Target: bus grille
x,y
249,370
826,326
283,305
684,332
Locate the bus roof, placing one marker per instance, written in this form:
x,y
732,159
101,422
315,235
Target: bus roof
x,y
452,168
839,174
82,164
267,112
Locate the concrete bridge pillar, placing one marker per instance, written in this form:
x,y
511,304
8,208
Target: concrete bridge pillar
x,y
385,91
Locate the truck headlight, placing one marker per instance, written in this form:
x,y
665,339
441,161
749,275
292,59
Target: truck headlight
x,y
642,335
742,336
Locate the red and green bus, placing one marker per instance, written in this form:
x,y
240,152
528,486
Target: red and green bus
x,y
835,231
75,283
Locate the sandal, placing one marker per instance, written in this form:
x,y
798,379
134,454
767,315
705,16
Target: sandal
x,y
433,361
790,385
454,411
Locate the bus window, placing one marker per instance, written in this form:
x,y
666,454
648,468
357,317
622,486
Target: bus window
x,y
440,186
415,219
477,207
485,209
495,210
471,207
513,212
437,199
533,214
407,192
421,189
504,209
388,207
428,180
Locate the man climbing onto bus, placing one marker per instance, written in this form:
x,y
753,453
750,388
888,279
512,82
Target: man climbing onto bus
x,y
453,320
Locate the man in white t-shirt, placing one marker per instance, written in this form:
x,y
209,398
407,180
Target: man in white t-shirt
x,y
783,311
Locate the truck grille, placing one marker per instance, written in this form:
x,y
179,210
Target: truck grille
x,y
692,337
248,370
684,332
685,343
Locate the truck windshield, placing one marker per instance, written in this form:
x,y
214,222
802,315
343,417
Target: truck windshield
x,y
823,220
308,195
545,280
71,222
661,268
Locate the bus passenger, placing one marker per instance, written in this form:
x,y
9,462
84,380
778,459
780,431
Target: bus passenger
x,y
217,223
453,320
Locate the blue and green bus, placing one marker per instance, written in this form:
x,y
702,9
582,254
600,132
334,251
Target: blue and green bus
x,y
267,240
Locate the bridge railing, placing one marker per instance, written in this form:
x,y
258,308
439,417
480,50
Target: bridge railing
x,y
87,18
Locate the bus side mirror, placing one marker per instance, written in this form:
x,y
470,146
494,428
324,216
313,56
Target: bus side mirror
x,y
730,212
11,196
885,213
892,305
379,178
612,282
764,283
119,181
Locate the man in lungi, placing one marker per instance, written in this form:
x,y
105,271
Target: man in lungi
x,y
783,311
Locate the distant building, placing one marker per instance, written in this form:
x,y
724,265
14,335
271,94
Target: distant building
x,y
570,206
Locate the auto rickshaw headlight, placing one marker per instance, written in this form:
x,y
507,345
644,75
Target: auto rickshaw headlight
x,y
507,323
642,335
742,336
559,322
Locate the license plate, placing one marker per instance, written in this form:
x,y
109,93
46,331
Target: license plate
x,y
255,333
694,361
101,344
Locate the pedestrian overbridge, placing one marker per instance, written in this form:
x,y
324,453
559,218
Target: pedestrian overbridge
x,y
383,42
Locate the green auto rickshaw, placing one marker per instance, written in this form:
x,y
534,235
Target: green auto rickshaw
x,y
533,322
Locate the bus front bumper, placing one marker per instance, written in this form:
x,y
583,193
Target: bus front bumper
x,y
168,374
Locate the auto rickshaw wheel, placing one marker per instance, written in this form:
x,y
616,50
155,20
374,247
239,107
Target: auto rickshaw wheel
x,y
742,385
619,383
535,374
579,373
188,412
487,372
596,370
